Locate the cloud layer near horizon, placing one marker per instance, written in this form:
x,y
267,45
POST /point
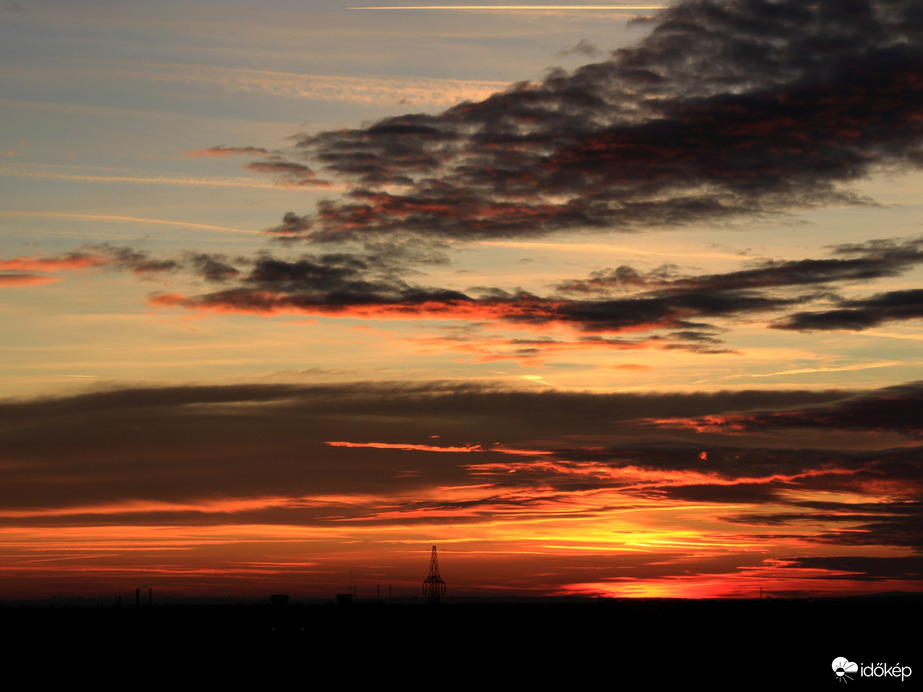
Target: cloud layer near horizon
x,y
834,468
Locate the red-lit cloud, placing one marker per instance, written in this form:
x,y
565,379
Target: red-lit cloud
x,y
15,280
615,309
105,255
70,261
408,447
222,151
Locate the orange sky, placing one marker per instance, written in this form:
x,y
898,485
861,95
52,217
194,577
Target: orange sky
x,y
595,305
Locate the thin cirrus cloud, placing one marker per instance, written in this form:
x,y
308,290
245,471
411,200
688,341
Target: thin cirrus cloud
x,y
377,89
146,180
515,8
120,218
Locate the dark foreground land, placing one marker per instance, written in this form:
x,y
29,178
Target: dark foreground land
x,y
727,643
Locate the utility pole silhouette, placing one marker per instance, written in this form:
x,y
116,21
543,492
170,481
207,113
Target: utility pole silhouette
x,y
433,585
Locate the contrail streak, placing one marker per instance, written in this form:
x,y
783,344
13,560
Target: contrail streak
x,y
129,219
514,7
211,182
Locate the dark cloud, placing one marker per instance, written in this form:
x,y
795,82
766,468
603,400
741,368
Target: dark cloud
x,y
287,172
894,409
894,521
262,454
330,282
104,255
724,109
856,315
380,280
139,262
211,267
620,278
871,260
292,226
123,258
375,282
342,282
554,412
173,417
852,263
744,493
864,567
531,452
584,48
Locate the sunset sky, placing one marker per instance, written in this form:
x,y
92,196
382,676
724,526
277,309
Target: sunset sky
x,y
599,299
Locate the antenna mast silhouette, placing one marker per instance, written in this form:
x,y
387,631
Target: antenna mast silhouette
x,y
433,585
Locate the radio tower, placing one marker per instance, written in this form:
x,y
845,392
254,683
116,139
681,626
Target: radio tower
x,y
434,586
